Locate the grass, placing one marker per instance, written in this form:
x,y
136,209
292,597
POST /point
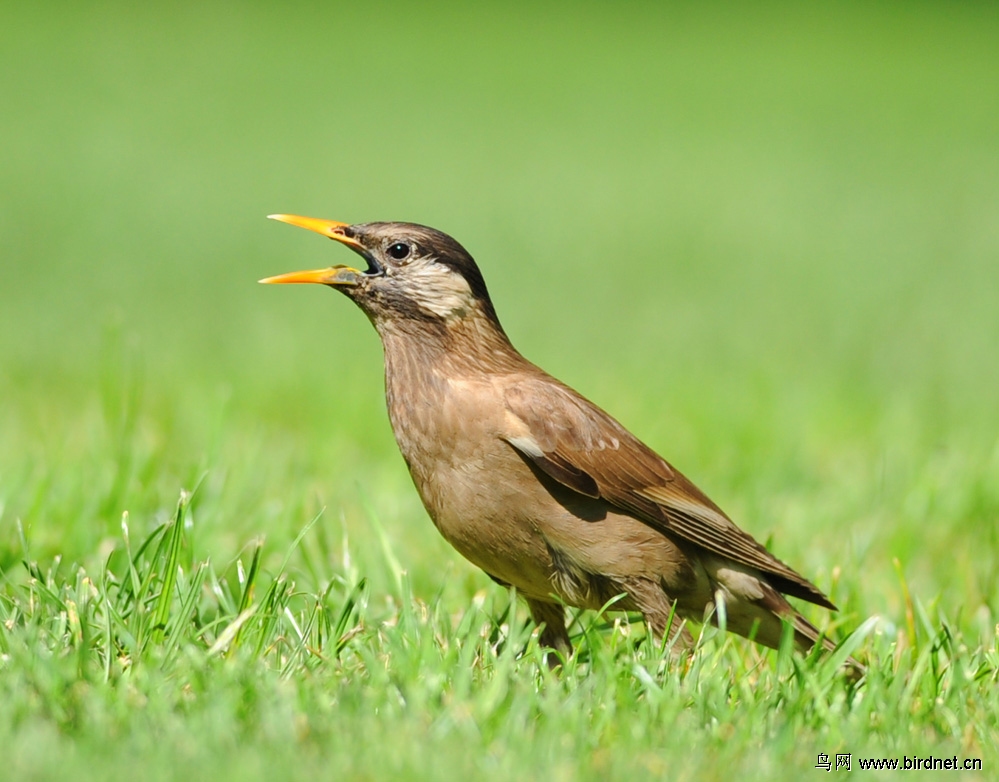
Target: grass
x,y
162,658
764,239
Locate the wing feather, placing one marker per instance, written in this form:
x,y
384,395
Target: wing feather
x,y
582,447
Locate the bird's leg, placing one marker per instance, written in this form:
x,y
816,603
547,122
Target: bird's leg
x,y
554,635
659,613
673,630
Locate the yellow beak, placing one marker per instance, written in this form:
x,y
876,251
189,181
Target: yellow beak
x,y
335,275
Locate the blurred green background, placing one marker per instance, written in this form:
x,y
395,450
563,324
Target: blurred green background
x,y
765,238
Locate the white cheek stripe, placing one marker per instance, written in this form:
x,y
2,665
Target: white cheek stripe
x,y
438,290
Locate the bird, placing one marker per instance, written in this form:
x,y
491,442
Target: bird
x,y
529,480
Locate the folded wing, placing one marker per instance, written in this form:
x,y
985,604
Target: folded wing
x,y
580,446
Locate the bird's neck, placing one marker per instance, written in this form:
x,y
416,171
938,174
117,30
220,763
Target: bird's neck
x,y
471,345
425,367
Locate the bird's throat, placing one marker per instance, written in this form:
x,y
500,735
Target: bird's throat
x,y
471,344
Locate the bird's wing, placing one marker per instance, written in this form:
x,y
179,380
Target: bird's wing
x,y
582,447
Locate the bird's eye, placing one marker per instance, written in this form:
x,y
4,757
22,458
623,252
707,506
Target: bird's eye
x,y
400,251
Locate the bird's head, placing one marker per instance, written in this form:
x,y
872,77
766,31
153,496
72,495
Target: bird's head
x,y
414,273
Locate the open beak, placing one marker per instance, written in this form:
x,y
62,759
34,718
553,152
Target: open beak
x,y
335,275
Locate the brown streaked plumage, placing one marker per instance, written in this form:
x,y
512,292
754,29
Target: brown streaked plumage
x,y
532,482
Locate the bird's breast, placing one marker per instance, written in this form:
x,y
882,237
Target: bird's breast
x,y
513,522
476,489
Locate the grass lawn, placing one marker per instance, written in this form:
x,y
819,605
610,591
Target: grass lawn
x,y
766,240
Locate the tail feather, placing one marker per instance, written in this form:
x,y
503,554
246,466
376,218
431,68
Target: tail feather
x,y
755,608
806,635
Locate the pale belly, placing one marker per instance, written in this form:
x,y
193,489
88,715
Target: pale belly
x,y
516,530
474,511
520,527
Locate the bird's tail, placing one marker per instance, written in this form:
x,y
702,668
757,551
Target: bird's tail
x,y
755,609
806,635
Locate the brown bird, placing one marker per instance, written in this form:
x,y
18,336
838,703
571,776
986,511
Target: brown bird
x,y
529,480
